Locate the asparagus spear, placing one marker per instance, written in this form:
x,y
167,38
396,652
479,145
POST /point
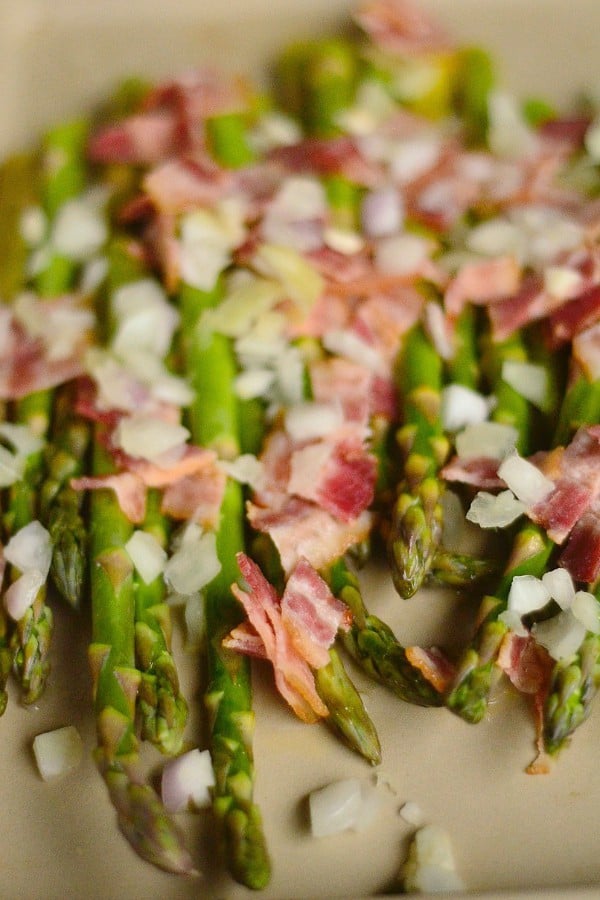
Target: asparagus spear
x,y
415,529
142,819
18,192
210,367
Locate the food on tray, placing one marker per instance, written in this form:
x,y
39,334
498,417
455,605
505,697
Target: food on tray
x,y
251,342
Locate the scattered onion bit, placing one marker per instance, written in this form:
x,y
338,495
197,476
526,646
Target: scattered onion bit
x,y
147,555
349,804
57,752
430,866
187,781
525,480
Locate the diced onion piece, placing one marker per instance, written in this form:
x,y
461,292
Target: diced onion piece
x,y
496,237
527,379
149,437
524,479
462,406
343,240
586,609
300,280
21,593
561,635
187,781
562,282
341,806
509,135
411,157
495,510
33,225
145,318
412,813
513,622
560,586
194,563
430,866
79,230
351,346
30,548
491,439
245,468
246,300
438,329
21,437
57,752
307,421
147,555
527,593
401,254
253,383
382,212
12,467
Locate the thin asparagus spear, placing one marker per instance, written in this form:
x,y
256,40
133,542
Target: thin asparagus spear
x,y
469,694
415,529
18,192
142,819
511,408
373,645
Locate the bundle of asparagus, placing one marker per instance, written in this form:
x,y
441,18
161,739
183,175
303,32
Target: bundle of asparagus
x,y
313,315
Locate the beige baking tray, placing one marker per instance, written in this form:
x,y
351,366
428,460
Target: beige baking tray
x,y
513,833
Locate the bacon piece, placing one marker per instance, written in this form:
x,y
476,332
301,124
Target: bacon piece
x,y
341,268
244,639
129,489
332,156
433,665
329,312
293,676
197,496
575,490
527,664
570,131
480,472
143,139
337,380
183,184
585,349
384,318
481,282
299,528
573,317
581,555
311,614
401,26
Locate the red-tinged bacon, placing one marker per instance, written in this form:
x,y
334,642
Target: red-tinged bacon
x,y
585,350
401,26
333,156
341,268
480,472
293,676
529,304
482,282
337,380
383,398
527,664
161,238
143,139
569,131
329,312
581,555
196,497
299,528
573,317
27,363
193,460
181,185
382,319
337,474
129,489
574,491
311,614
244,639
433,665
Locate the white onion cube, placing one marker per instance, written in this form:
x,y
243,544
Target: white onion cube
x,y
194,564
527,593
561,635
527,379
491,439
524,479
187,781
462,406
342,805
560,586
430,867
586,609
30,548
147,555
57,752
494,510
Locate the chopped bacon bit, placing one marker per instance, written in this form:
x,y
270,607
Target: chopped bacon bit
x,y
244,639
300,528
129,489
142,139
196,497
480,472
311,614
337,380
293,676
335,156
581,555
481,282
183,184
401,26
573,317
575,490
433,665
527,664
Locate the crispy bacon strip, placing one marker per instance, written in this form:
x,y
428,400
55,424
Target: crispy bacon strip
x,y
129,489
293,676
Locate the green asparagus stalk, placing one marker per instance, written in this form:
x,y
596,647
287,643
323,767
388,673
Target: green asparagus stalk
x,y
210,367
477,669
18,192
60,504
511,408
416,525
374,647
142,819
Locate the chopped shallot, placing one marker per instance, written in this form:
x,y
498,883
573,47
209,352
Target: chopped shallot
x,y
349,804
57,752
187,781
